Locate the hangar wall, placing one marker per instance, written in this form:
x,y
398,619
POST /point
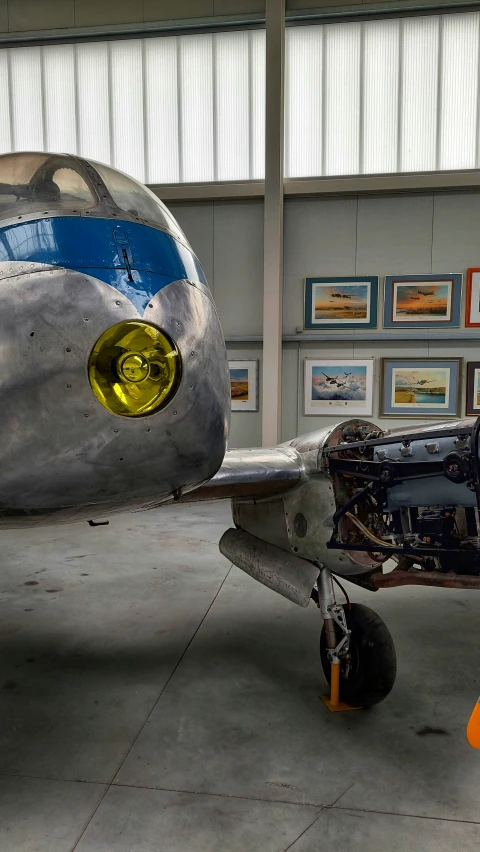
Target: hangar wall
x,y
376,235
30,16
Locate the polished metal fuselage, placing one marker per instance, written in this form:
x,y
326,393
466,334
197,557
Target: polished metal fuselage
x,y
63,456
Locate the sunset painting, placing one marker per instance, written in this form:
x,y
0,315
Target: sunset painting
x,y
341,303
431,302
427,387
239,385
243,385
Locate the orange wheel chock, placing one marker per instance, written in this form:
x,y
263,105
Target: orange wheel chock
x,y
332,701
473,727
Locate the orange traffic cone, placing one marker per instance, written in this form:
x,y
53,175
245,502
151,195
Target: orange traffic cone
x,y
473,727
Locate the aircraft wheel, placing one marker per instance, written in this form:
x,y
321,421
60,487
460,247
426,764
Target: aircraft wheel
x,y
368,671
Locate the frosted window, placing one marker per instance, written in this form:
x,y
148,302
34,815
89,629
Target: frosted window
x,y
164,110
161,109
127,107
257,104
93,101
420,72
5,121
196,143
232,106
342,99
459,92
383,96
26,94
303,101
59,88
380,105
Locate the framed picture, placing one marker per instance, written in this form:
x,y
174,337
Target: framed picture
x,y
472,408
424,301
244,385
472,312
341,302
334,386
420,388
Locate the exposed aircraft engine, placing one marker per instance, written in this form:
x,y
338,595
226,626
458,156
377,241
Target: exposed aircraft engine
x,y
353,498
410,494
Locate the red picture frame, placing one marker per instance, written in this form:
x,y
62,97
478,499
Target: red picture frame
x,y
468,304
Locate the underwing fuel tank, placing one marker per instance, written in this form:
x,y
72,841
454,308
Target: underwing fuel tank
x,y
114,387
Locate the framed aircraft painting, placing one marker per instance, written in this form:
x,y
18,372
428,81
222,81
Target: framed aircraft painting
x,y
341,302
472,408
472,312
422,301
339,385
243,385
420,388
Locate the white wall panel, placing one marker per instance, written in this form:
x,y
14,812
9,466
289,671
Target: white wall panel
x,y
342,99
5,121
257,104
232,106
126,80
380,87
420,87
383,96
26,99
197,120
304,101
162,110
93,100
458,106
166,110
59,99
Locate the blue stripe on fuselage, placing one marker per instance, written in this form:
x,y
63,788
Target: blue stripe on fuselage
x,y
102,248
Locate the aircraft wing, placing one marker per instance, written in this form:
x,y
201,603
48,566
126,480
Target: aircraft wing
x,y
252,473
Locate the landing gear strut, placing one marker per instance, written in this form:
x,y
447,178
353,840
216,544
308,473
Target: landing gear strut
x,y
356,650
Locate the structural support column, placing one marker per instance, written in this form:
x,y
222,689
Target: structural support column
x,y
273,224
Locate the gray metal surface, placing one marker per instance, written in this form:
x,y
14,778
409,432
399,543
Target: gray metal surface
x,y
422,448
301,519
62,454
291,577
252,473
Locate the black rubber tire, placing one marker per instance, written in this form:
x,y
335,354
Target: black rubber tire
x,y
373,661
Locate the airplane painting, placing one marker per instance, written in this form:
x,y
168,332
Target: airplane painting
x,y
115,396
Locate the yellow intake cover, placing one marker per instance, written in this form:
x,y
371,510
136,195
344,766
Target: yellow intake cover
x,y
134,368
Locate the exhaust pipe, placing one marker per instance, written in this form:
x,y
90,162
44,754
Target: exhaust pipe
x,y
290,576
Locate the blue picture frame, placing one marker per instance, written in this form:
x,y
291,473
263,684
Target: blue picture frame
x,y
422,301
420,387
354,296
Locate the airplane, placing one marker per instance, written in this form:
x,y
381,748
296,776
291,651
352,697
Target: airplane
x,y
426,292
334,380
114,395
421,382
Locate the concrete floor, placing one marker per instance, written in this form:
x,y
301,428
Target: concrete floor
x,y
154,700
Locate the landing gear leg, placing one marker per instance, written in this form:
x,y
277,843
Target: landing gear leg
x,y
333,615
356,649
